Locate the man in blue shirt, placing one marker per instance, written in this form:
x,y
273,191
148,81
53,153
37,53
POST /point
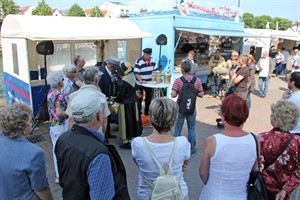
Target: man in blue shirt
x,y
88,169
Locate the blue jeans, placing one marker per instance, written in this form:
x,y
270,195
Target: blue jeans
x,y
191,124
283,69
263,85
248,100
215,83
278,68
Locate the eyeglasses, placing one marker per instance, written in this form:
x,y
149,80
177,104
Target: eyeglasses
x,y
74,72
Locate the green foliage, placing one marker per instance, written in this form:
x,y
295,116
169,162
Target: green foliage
x,y
96,12
283,23
76,11
42,9
261,21
9,7
249,20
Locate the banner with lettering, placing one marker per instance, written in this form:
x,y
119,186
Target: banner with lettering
x,y
205,6
16,90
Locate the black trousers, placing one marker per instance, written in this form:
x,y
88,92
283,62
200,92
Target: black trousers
x,y
148,98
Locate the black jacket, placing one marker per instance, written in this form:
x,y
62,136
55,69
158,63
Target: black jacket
x,y
106,85
75,149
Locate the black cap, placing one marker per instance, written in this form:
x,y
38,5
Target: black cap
x,y
98,64
147,50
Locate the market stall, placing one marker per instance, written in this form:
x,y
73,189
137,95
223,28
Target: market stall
x,y
204,32
94,38
270,40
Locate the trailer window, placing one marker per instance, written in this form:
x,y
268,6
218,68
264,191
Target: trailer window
x,y
122,49
88,51
15,58
61,56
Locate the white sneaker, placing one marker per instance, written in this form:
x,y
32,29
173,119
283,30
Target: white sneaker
x,y
56,180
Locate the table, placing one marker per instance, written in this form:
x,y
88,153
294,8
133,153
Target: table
x,y
158,88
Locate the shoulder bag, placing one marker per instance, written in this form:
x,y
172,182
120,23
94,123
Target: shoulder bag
x,y
256,185
256,189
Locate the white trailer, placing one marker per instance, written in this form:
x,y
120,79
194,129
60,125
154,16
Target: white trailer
x,y
96,39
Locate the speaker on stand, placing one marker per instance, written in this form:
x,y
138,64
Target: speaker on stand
x,y
161,40
43,48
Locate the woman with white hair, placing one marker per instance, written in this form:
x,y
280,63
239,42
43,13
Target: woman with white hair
x,y
280,152
22,164
70,72
57,105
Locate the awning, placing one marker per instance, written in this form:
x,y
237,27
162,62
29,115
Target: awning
x,y
287,37
38,28
267,33
217,32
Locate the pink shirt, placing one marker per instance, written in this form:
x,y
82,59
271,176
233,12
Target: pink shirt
x,y
177,86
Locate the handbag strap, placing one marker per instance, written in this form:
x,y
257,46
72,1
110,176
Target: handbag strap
x,y
257,151
161,170
281,151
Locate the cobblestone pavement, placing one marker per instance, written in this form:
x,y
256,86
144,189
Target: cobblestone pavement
x,y
257,122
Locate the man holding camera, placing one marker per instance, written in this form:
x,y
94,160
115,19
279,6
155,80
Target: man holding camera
x,y
218,67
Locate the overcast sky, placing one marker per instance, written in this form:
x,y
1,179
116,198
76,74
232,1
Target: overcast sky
x,y
275,8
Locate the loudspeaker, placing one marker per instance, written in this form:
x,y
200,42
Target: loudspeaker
x,y
45,48
161,39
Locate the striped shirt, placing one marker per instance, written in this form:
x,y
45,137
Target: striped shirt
x,y
177,86
145,68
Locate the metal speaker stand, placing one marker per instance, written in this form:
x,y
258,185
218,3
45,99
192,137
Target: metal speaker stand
x,y
44,48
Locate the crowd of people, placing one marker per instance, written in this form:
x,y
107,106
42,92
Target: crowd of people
x,y
88,167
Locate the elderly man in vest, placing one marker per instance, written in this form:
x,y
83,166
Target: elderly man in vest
x,y
89,169
191,59
107,85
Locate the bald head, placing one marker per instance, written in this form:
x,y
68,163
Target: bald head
x,y
265,54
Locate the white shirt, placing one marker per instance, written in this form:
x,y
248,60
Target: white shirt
x,y
295,98
286,54
148,167
229,168
264,63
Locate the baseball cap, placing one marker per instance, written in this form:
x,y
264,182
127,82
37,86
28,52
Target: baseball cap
x,y
85,104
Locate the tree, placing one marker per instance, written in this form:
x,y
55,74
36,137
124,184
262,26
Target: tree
x,y
96,12
283,23
261,21
9,7
249,20
76,10
42,9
